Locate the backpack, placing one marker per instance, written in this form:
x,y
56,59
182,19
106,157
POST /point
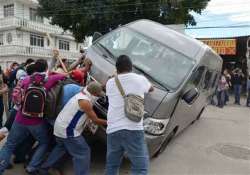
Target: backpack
x,y
34,97
53,99
133,104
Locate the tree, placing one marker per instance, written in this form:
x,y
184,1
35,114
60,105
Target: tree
x,y
83,17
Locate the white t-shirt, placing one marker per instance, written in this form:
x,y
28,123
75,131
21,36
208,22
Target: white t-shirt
x,y
70,121
131,83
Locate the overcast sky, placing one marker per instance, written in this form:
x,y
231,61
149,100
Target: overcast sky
x,y
223,13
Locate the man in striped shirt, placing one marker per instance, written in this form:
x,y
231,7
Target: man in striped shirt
x,y
68,129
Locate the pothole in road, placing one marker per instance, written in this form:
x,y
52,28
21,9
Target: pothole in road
x,y
233,151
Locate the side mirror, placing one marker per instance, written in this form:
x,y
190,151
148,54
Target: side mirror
x,y
96,36
190,95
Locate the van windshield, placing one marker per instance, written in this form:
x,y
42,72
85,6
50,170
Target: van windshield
x,y
165,65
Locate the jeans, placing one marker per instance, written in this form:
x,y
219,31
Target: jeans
x,y
25,146
17,135
226,96
1,111
221,98
77,148
133,144
237,92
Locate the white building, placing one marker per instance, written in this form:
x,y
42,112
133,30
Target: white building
x,y
23,34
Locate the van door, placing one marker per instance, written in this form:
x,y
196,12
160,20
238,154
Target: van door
x,y
185,113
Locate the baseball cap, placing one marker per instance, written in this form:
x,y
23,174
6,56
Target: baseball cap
x,y
95,88
77,75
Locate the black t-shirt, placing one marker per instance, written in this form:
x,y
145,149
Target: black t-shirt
x,y
237,79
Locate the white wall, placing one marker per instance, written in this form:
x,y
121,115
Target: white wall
x,y
14,37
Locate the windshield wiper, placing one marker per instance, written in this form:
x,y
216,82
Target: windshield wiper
x,y
143,71
106,50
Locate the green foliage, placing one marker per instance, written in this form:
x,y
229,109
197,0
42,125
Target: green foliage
x,y
83,17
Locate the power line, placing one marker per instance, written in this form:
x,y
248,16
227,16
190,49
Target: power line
x,y
218,27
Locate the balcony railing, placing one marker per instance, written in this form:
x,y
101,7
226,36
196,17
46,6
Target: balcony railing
x,y
14,22
38,52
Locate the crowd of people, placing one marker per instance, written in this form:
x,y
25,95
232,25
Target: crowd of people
x,y
49,105
234,82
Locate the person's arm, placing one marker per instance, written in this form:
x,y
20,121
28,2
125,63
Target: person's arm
x,y
77,62
53,61
88,109
4,89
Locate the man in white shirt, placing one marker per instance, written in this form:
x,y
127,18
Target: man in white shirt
x,y
68,129
124,135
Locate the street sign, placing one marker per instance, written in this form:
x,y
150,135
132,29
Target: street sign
x,y
222,46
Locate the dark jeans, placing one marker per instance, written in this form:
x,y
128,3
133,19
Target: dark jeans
x,y
133,144
221,98
1,111
17,135
77,148
23,148
237,92
226,96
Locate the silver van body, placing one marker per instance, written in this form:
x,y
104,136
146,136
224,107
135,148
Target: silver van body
x,y
183,71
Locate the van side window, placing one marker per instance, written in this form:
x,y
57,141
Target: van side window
x,y
207,80
197,76
214,80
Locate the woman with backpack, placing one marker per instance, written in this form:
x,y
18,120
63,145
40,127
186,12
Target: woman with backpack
x,y
33,124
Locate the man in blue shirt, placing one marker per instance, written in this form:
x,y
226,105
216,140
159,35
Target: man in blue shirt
x,y
69,91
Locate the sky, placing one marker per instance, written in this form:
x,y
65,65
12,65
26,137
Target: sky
x,y
222,13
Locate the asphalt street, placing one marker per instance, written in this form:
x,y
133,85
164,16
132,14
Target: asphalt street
x,y
217,144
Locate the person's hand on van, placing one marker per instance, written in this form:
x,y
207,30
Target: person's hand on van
x,y
88,109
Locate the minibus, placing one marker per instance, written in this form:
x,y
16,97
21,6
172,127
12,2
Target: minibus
x,y
183,70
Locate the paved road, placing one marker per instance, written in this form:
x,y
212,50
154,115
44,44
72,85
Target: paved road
x,y
219,143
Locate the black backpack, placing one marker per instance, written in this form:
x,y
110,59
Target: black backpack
x,y
35,97
53,104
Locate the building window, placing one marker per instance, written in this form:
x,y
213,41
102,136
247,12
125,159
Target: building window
x,y
36,40
34,16
63,45
8,10
1,39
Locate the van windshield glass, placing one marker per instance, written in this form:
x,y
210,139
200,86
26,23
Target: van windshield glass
x,y
167,66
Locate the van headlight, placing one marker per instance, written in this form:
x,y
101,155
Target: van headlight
x,y
155,126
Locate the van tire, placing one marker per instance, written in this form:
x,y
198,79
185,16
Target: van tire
x,y
165,143
200,114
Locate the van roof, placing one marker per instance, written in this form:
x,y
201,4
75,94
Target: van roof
x,y
177,41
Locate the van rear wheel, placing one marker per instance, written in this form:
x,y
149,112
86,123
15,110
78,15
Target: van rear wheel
x,y
165,144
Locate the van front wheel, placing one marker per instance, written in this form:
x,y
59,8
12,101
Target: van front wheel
x,y
165,144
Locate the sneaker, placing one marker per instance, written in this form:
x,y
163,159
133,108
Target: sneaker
x,y
10,166
32,173
56,171
42,171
